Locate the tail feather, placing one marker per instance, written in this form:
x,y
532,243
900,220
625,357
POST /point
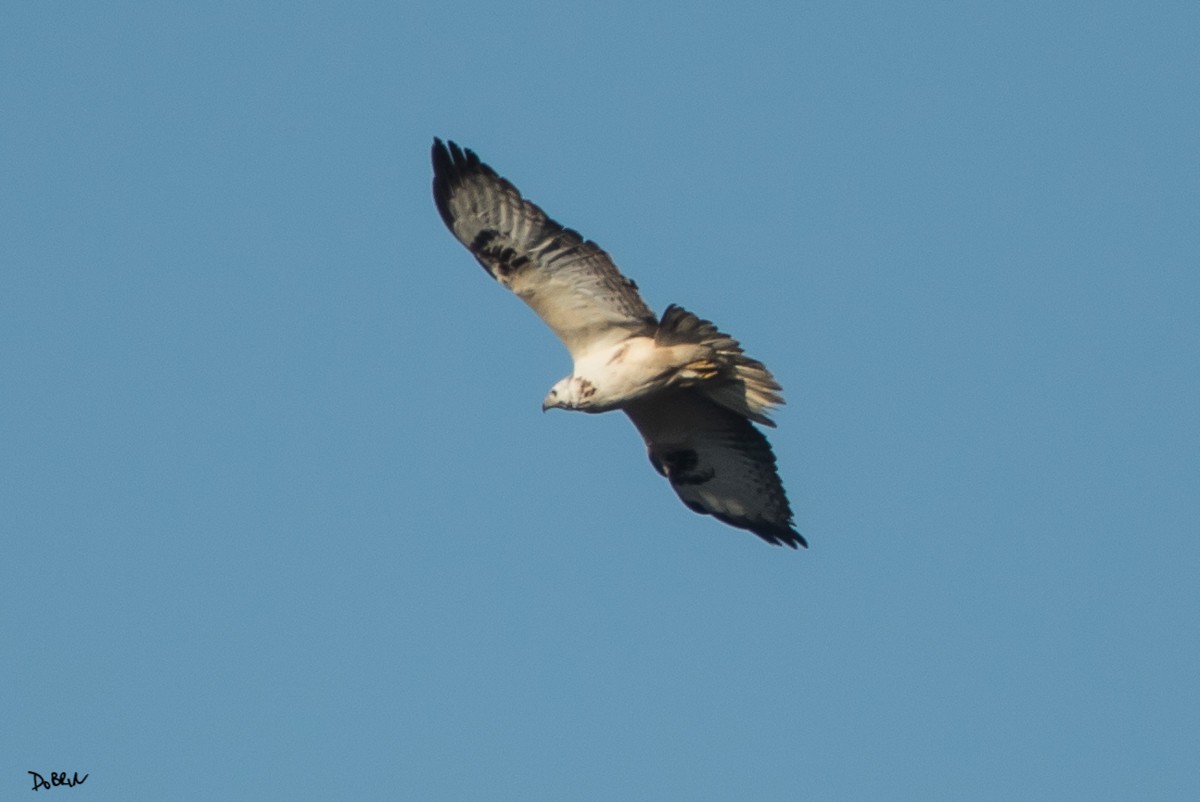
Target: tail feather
x,y
739,383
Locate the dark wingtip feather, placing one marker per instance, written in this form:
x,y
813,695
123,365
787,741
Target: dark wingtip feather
x,y
774,534
451,165
797,539
444,175
779,536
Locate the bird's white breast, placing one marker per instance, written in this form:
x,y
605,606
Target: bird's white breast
x,y
625,371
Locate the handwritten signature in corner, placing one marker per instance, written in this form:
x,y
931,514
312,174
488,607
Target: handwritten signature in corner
x,y
56,778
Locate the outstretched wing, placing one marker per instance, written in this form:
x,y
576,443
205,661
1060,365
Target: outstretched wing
x,y
570,282
718,463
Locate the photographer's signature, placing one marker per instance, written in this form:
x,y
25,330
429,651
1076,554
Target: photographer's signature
x,y
57,778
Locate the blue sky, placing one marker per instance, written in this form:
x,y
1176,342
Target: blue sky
x,y
282,517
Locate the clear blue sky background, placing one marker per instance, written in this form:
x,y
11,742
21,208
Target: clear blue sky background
x,y
281,516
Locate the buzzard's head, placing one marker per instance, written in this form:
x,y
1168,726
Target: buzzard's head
x,y
572,392
559,396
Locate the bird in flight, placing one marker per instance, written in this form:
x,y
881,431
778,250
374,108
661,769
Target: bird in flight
x,y
688,388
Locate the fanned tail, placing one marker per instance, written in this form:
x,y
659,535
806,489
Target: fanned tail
x,y
727,376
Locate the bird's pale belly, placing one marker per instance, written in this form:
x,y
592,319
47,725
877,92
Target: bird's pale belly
x,y
632,369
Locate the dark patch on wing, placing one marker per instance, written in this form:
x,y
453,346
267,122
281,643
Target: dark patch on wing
x,y
682,467
500,261
482,239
